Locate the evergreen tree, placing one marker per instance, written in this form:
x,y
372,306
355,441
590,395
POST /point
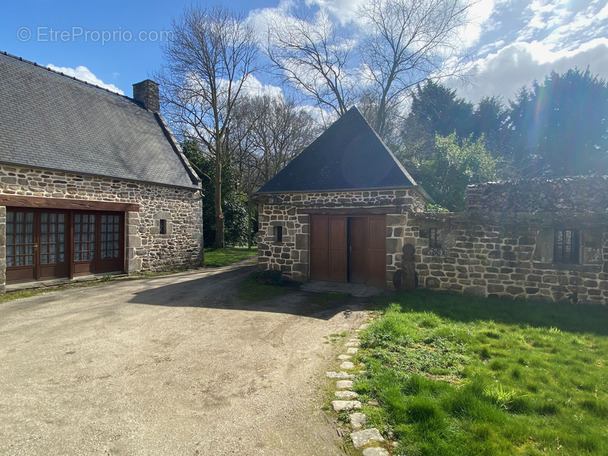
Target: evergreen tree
x,y
560,127
233,205
435,111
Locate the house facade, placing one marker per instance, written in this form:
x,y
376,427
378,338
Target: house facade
x,y
336,212
91,182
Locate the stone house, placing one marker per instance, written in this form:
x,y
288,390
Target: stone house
x,y
345,210
337,211
91,182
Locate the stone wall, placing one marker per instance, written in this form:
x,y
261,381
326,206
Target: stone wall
x,y
504,244
291,212
146,249
571,194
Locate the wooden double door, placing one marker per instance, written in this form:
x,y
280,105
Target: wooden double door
x,y
348,249
49,244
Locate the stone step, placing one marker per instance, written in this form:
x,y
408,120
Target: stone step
x,y
347,365
357,420
338,406
347,395
366,436
341,375
344,357
344,384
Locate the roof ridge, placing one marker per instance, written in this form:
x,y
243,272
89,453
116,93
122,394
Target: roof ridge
x,y
42,67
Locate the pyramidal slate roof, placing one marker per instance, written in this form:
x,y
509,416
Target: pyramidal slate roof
x,y
349,155
52,121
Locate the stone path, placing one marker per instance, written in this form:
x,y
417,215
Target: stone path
x,y
369,440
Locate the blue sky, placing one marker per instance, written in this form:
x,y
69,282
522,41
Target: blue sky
x,y
32,30
514,41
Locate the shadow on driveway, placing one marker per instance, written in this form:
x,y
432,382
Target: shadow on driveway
x,y
217,290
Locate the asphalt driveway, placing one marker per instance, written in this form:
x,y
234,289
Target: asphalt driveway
x,y
172,365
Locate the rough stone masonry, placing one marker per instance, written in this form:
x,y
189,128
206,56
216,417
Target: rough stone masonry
x,y
511,241
146,248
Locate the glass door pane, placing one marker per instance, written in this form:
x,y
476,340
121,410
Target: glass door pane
x,y
84,237
110,237
19,238
52,238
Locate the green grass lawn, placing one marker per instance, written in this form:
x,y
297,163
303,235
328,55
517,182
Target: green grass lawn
x,y
457,375
221,257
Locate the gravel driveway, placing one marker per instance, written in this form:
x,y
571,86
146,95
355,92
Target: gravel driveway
x,y
172,365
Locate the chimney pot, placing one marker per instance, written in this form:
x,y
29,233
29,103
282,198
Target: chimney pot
x,y
146,92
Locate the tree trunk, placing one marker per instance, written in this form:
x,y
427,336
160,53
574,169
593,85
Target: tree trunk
x,y
219,215
249,224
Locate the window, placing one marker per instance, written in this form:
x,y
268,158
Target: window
x,y
110,237
84,237
566,246
163,226
434,238
19,239
278,233
52,238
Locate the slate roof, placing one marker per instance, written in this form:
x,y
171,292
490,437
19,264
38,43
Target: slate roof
x,y
52,121
349,155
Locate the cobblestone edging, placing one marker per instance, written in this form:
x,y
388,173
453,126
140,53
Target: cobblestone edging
x,y
366,439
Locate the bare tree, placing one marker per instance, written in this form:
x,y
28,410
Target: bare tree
x,y
408,42
206,65
267,132
313,57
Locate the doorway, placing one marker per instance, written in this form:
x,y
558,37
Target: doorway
x,y
48,244
348,249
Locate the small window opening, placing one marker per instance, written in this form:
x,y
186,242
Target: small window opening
x,y
566,246
434,238
278,233
163,226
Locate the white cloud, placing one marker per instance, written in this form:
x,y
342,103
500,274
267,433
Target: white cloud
x,y
344,11
564,24
479,14
84,74
262,19
319,115
254,87
503,73
521,41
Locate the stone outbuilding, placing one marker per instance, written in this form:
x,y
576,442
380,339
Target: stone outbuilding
x,y
337,212
91,182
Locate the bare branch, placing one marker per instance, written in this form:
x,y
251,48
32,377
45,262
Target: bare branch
x,y
313,58
409,42
212,54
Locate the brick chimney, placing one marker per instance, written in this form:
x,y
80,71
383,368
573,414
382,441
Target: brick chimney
x,y
146,92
